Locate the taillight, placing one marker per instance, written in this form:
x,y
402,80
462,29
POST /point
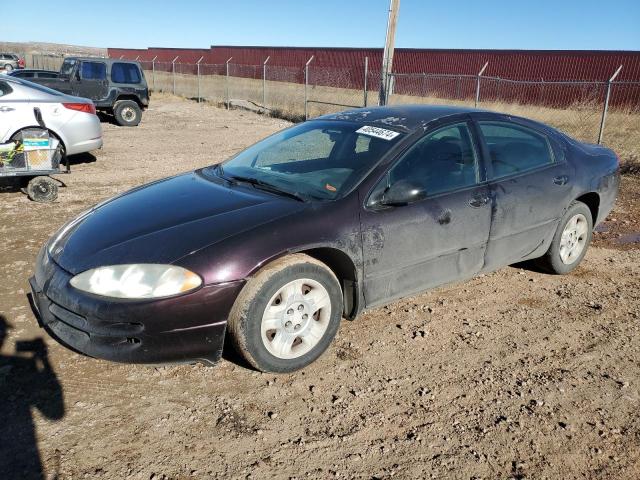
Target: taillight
x,y
21,62
81,107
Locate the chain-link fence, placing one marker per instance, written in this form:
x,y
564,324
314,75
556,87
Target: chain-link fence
x,y
309,91
578,108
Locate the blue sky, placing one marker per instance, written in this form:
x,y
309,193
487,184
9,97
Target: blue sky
x,y
521,24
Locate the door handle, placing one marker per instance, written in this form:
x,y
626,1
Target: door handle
x,y
6,109
478,202
560,180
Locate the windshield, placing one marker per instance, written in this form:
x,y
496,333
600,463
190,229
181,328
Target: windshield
x,y
67,67
317,159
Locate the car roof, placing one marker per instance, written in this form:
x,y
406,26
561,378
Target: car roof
x,y
402,117
31,70
102,59
32,90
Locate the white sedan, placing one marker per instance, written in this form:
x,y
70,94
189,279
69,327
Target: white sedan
x,y
72,120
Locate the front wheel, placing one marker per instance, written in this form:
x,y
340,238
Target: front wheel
x,y
127,113
287,314
571,240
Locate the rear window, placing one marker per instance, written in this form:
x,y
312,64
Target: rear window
x,y
47,75
125,73
39,87
5,89
94,71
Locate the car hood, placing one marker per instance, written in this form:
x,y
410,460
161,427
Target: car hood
x,y
164,221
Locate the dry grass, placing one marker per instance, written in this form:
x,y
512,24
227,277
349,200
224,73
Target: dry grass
x,y
286,100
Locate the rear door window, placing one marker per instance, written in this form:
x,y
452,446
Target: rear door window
x,y
5,89
125,73
93,71
514,149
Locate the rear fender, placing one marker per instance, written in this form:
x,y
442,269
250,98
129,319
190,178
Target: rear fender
x,y
61,138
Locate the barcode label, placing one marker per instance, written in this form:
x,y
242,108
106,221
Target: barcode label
x,y
378,132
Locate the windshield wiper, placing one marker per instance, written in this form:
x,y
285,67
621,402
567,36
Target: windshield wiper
x,y
257,183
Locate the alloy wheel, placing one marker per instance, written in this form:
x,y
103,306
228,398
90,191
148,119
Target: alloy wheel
x,y
573,239
296,318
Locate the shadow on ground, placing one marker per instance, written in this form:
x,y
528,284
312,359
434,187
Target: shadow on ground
x,y
86,157
27,382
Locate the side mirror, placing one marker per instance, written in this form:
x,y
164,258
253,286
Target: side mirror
x,y
403,192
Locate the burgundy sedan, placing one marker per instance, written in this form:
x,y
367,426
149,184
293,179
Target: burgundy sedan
x,y
315,223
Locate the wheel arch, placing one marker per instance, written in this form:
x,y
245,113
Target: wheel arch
x,y
344,268
592,201
61,138
127,96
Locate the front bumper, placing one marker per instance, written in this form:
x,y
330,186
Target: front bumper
x,y
187,328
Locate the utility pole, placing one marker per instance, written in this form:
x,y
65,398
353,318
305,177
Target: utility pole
x,y
387,56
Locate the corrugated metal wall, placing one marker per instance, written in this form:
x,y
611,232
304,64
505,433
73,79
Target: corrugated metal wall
x,y
344,68
550,65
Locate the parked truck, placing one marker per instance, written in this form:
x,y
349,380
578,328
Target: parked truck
x,y
116,87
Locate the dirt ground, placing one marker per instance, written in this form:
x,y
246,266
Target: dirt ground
x,y
515,374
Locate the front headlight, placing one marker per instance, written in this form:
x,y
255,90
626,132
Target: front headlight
x,y
137,281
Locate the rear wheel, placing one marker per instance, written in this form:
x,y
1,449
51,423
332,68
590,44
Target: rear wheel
x,y
42,189
287,315
8,67
127,113
571,240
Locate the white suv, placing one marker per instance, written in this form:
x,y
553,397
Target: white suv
x,y
10,61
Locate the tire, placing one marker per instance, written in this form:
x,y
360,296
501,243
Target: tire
x,y
42,189
127,113
285,295
8,67
562,258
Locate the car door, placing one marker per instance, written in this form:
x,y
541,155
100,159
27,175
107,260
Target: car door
x,y
91,80
438,239
531,185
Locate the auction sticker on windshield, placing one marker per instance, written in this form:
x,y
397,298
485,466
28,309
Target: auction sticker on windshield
x,y
378,132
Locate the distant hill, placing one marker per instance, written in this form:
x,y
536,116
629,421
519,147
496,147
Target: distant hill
x,y
56,49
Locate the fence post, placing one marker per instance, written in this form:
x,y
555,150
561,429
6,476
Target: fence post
x,y
606,104
306,85
366,75
198,73
264,82
541,95
173,70
226,83
153,72
478,84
